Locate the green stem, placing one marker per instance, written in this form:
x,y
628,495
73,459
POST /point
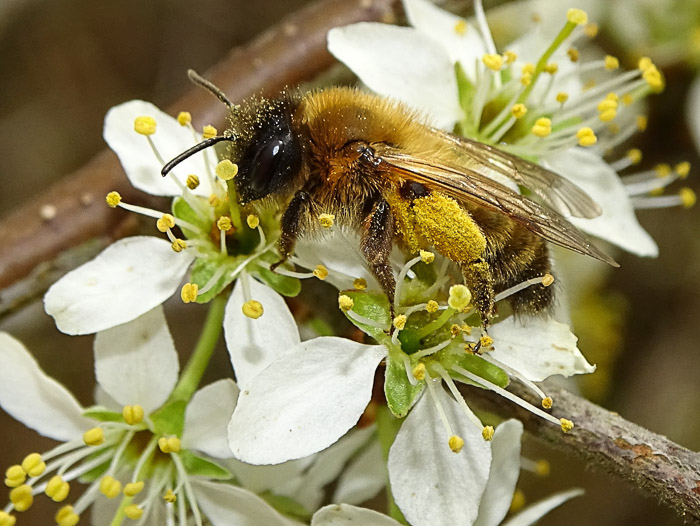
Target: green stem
x,y
387,428
197,364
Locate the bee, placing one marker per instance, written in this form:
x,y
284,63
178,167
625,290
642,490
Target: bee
x,y
383,171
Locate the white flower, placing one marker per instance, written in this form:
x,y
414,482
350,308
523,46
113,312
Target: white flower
x,y
530,100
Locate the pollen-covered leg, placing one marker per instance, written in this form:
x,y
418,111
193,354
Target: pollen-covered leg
x,y
479,280
290,225
376,243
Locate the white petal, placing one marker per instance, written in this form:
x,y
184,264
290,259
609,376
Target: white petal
x,y
538,348
304,401
431,484
126,280
466,48
280,479
136,363
532,514
35,399
402,63
618,223
254,344
344,515
503,475
363,478
693,111
207,417
140,163
226,505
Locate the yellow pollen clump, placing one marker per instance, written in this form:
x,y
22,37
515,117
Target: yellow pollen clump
x,y
612,96
113,199
566,425
547,402
591,30
486,342
345,302
170,496
551,68
400,321
526,79
321,272
169,444
326,220
110,487
627,99
192,181
253,309
542,468
33,465
57,489
547,280
66,516
688,197
455,329
133,488
145,125
360,284
188,293
492,61
577,16
644,63
132,414
459,298
419,372
586,136
184,118
642,122
634,155
226,170
456,443
178,245
662,170
432,306
487,433
607,115
15,476
510,56
542,127
22,497
94,436
253,221
224,223
562,97
133,511
611,63
426,256
518,501
682,169
208,131
573,54
518,110
6,519
607,104
653,78
461,27
165,223
528,68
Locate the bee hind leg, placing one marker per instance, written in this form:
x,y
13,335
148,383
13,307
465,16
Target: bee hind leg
x,y
290,226
479,279
376,245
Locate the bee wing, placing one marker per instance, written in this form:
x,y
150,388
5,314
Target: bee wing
x,y
559,193
464,184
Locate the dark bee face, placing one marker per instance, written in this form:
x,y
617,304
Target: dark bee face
x,y
271,156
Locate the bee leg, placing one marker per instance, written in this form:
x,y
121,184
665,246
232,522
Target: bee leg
x,y
479,280
376,244
289,226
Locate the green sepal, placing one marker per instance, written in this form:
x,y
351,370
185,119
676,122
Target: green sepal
x,y
287,506
400,394
372,305
202,271
482,368
170,418
195,465
182,210
102,414
285,285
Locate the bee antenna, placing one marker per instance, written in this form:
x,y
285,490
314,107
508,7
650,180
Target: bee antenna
x,y
207,85
206,143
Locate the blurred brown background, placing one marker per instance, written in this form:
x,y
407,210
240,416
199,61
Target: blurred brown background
x,y
65,63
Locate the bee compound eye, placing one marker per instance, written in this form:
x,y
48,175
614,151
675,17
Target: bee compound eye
x,y
266,164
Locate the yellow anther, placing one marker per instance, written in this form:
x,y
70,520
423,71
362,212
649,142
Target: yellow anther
x,y
607,115
432,306
542,127
662,170
57,488
359,284
165,223
486,342
573,54
634,155
627,99
110,487
688,197
528,68
253,221
33,465
547,402
655,192
459,297
612,96
653,78
15,476
455,329
487,433
179,245
253,309
586,136
400,321
589,84
145,125
547,280
591,30
184,118
208,131
188,293
94,436
492,61
113,199
469,348
461,27
518,110
66,516
611,63
321,272
133,488
518,501
133,511
682,169
224,223
562,97
345,302
6,519
192,181
466,329
551,68
22,497
170,496
426,256
169,444
226,170
456,443
642,122
214,200
644,63
419,372
543,468
607,104
566,425
510,56
326,220
577,16
132,414
526,79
